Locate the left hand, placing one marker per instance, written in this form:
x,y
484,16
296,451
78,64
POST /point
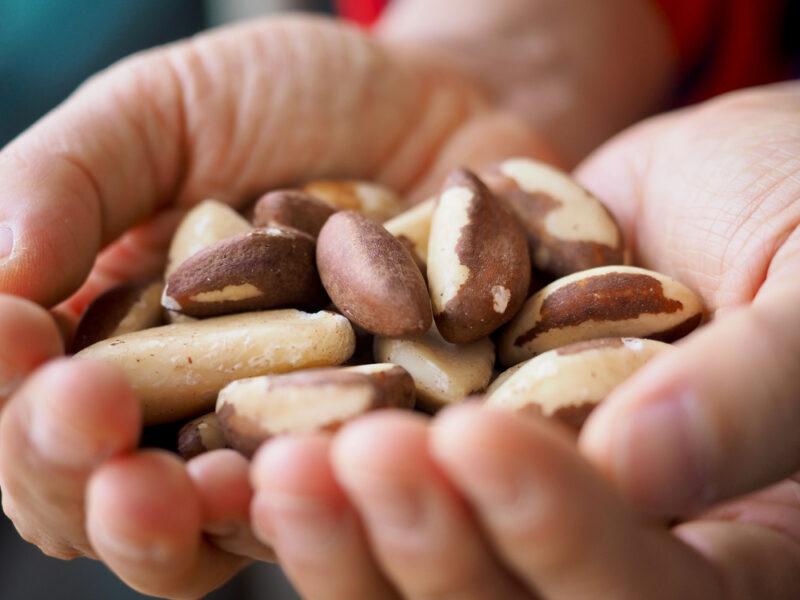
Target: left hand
x,y
479,504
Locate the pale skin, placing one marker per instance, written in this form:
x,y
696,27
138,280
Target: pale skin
x,y
170,127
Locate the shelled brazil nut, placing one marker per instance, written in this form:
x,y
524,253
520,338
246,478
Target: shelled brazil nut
x,y
124,308
568,383
370,199
413,227
271,267
601,302
443,373
177,370
292,208
250,411
371,276
568,229
478,264
200,435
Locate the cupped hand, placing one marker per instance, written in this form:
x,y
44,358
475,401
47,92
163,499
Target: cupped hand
x,y
483,504
90,196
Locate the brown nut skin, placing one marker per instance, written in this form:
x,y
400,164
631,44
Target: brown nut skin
x,y
200,435
370,199
266,268
478,264
252,411
568,229
567,384
371,276
121,309
601,302
292,208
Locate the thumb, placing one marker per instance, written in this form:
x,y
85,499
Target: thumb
x,y
717,418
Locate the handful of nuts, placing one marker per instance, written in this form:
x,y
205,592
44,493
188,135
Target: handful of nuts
x,y
253,331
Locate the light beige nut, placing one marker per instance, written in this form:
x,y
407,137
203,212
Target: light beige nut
x,y
501,378
414,225
601,302
177,370
265,268
568,383
253,410
371,276
200,435
205,224
568,229
122,309
370,199
478,265
443,373
292,208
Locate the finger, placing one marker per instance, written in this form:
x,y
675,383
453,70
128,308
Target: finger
x,y
750,561
485,139
222,481
421,531
300,510
144,521
559,526
176,124
139,254
65,420
28,338
713,420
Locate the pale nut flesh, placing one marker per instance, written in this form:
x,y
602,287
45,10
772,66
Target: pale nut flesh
x,y
200,435
478,265
177,370
271,267
443,373
251,411
568,229
122,309
602,302
566,384
370,199
414,226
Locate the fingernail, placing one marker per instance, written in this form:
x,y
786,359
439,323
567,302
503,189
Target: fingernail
x,y
6,241
58,439
661,456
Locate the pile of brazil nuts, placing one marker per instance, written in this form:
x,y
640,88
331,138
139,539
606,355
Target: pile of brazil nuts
x,y
331,300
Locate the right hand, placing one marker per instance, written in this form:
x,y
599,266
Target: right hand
x,y
91,195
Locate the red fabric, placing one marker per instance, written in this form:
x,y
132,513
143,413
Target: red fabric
x,y
726,44
363,12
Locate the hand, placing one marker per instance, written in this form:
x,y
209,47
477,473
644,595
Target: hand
x,y
228,114
482,504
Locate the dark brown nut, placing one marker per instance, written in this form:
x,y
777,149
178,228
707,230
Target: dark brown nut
x,y
200,435
292,208
253,410
443,373
258,270
371,276
207,223
413,227
370,199
602,302
478,264
177,370
568,383
122,309
568,229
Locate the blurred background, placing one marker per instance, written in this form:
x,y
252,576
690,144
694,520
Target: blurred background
x,y
47,48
